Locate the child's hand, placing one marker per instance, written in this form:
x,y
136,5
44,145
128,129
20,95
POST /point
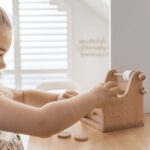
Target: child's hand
x,y
105,93
66,95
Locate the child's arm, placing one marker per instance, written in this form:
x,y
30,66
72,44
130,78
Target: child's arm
x,y
33,97
55,116
39,98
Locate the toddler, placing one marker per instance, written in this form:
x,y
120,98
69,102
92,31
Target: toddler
x,y
41,113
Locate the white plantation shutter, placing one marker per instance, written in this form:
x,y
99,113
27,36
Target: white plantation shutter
x,y
40,43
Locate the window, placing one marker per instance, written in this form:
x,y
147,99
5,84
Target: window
x,y
40,46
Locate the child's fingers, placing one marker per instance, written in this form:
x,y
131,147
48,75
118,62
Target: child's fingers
x,y
96,111
110,84
116,90
72,93
67,95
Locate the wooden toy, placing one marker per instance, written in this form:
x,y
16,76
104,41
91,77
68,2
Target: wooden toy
x,y
64,135
81,137
127,110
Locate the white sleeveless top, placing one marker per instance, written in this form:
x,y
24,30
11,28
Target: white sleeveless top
x,y
8,140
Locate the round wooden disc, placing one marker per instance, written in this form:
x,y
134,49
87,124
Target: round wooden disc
x,y
81,137
64,135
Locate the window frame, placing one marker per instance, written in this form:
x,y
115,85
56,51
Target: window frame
x,y
17,53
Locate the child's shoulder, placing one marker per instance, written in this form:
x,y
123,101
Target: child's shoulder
x,y
5,91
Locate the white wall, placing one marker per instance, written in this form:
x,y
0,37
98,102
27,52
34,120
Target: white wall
x,y
87,71
130,38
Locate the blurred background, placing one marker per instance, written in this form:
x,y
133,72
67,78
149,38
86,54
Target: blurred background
x,y
76,40
57,40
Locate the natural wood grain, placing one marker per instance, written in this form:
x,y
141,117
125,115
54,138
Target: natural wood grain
x,y
128,139
127,110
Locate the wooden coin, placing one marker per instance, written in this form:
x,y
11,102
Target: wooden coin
x,y
64,135
81,137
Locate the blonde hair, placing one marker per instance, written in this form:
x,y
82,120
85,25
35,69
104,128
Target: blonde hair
x,y
4,19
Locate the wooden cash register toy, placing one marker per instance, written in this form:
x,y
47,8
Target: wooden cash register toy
x,y
127,110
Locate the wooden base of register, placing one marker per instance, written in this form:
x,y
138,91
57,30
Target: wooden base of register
x,y
127,111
